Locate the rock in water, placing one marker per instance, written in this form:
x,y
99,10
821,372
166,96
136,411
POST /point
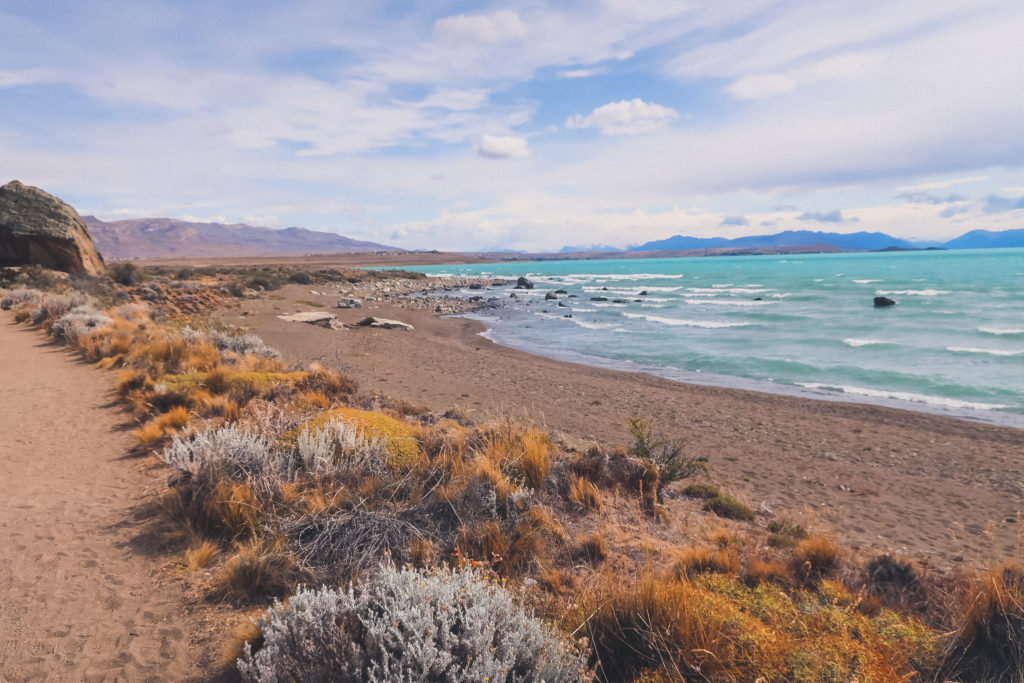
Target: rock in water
x,y
37,228
550,296
883,301
524,283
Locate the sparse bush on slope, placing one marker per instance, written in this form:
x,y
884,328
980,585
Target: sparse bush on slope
x,y
408,625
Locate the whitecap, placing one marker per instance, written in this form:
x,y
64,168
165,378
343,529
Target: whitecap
x,y
865,282
913,292
862,342
903,396
991,352
727,302
1000,331
707,324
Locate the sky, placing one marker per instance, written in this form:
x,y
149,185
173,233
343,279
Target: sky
x,y
523,125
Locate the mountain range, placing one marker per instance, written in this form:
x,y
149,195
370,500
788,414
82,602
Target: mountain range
x,y
141,238
855,241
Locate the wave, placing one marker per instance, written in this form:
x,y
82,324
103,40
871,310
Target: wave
x,y
913,292
862,342
592,325
729,290
707,324
991,352
1001,331
727,302
864,282
903,396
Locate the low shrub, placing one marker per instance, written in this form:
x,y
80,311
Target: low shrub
x,y
988,644
704,491
234,453
22,295
408,625
730,508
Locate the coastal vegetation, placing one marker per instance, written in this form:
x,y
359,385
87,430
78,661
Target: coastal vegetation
x,y
372,540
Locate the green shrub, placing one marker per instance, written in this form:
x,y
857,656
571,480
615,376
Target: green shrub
x,y
730,508
704,491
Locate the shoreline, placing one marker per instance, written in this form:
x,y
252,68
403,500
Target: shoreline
x,y
885,479
993,417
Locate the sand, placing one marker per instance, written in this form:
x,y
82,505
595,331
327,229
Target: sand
x,y
881,479
82,592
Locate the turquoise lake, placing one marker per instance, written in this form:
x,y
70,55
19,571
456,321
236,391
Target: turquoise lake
x,y
805,324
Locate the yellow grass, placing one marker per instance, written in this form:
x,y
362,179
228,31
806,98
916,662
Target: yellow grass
x,y
583,492
200,554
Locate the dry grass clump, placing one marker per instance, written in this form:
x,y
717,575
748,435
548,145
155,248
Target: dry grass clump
x,y
200,554
715,627
771,570
593,549
815,557
694,561
259,569
582,492
988,644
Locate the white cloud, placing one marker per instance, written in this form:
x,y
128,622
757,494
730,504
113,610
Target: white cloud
x,y
626,117
939,184
481,28
502,147
582,73
843,67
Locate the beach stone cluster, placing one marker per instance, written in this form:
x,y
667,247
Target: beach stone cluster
x,y
429,294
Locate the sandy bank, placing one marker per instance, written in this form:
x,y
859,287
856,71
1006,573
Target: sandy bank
x,y
882,479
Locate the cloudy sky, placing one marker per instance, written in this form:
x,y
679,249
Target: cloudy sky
x,y
526,125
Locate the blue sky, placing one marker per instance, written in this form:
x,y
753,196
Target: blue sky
x,y
525,125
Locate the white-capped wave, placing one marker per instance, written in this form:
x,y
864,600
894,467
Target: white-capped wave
x,y
728,302
1001,330
913,292
862,342
729,290
865,282
903,396
592,325
991,352
707,324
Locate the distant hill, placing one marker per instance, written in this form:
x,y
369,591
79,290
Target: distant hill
x,y
986,239
852,241
587,248
167,238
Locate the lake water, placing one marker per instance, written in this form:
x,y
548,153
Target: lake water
x,y
805,324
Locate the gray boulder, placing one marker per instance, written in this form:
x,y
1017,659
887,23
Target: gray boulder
x,y
37,228
524,283
345,302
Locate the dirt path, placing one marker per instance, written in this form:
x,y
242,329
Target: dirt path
x,y
81,597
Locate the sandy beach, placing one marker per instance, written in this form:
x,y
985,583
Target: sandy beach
x,y
882,479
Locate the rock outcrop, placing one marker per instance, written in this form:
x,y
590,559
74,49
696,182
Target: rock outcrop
x,y
524,283
883,302
37,228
